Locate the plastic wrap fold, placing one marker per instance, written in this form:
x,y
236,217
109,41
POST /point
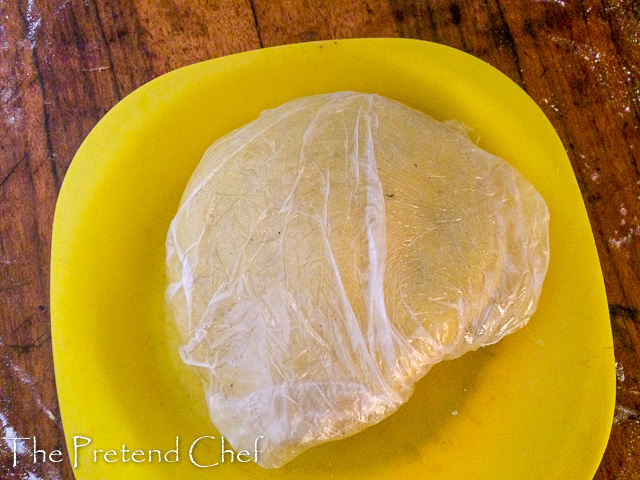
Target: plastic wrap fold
x,y
327,254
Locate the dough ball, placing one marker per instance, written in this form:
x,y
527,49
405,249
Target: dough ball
x,y
327,254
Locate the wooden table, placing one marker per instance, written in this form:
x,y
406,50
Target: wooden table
x,y
64,64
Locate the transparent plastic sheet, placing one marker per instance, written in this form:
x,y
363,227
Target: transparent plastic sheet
x,y
326,255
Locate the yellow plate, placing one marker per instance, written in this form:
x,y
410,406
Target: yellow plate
x,y
538,405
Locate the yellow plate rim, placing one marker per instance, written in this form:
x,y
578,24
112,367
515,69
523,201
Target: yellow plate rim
x,y
84,170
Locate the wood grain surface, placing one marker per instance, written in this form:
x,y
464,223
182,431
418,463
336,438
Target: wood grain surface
x,y
64,64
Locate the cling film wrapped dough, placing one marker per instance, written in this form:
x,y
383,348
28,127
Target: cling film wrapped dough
x,y
327,254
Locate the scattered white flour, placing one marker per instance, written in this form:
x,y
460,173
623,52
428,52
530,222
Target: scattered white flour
x,y
23,377
626,239
31,476
21,447
9,432
620,372
32,24
557,2
624,413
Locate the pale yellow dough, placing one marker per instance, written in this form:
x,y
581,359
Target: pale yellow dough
x,y
326,255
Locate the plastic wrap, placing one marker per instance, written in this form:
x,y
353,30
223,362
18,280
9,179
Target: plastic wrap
x,y
326,255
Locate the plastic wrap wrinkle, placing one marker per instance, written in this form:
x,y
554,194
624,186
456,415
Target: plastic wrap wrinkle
x,y
326,255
